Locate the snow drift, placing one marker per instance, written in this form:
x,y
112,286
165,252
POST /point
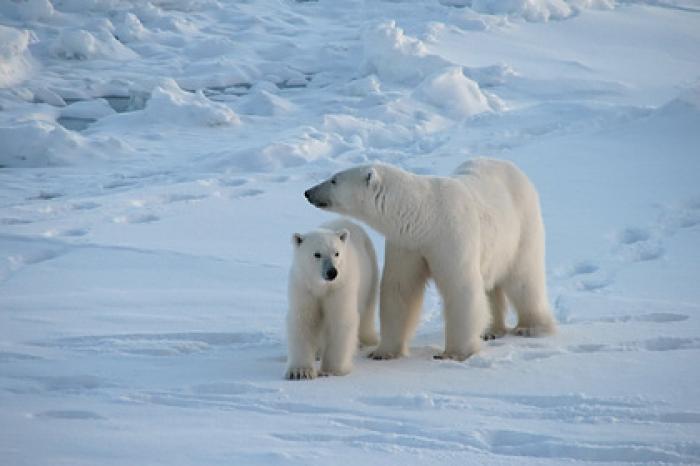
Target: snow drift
x,y
451,91
170,105
16,62
395,56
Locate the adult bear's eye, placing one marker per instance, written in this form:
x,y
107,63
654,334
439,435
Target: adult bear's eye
x,y
337,254
317,255
332,180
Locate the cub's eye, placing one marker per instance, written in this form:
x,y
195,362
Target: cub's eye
x,y
337,254
317,255
333,181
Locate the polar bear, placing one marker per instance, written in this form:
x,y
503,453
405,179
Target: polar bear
x,y
333,286
478,234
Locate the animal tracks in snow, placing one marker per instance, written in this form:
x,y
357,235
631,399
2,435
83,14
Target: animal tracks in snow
x,y
384,433
160,344
633,244
136,218
69,414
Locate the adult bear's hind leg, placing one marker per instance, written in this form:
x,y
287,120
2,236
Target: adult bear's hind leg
x,y
527,292
498,306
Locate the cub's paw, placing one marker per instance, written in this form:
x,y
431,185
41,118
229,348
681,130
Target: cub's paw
x,y
300,373
452,355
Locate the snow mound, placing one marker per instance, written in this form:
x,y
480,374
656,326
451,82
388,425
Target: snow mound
x,y
538,10
129,29
394,56
91,109
309,146
38,144
459,96
16,62
363,133
27,10
169,104
530,10
79,44
264,103
364,87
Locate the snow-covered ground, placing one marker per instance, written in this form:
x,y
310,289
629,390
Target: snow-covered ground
x,y
153,158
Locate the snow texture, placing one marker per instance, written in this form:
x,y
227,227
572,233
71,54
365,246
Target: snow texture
x,y
153,159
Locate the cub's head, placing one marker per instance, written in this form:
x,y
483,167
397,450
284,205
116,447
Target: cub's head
x,y
319,255
350,192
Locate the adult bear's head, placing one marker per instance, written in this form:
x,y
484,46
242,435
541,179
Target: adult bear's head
x,y
351,192
384,197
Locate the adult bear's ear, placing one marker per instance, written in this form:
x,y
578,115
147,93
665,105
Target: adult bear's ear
x,y
372,178
297,239
343,234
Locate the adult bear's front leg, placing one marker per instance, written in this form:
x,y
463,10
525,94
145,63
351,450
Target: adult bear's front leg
x,y
400,300
466,308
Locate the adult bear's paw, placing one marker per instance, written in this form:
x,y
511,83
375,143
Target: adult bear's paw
x,y
300,373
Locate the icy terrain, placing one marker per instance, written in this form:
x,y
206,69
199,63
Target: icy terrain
x,y
153,158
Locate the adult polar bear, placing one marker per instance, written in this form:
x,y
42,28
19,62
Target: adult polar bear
x,y
478,234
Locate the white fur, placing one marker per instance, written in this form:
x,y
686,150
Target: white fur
x,y
478,234
327,317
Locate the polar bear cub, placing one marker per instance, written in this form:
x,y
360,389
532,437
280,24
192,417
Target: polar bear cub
x,y
333,287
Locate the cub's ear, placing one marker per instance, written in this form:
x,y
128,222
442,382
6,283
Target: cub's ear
x,y
297,239
343,234
372,178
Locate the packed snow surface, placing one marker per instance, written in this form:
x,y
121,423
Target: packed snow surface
x,y
153,157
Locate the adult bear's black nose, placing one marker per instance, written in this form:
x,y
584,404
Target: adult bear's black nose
x,y
307,193
331,274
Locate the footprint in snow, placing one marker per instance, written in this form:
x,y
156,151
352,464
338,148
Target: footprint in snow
x,y
580,268
87,205
653,344
670,344
231,388
136,218
638,245
232,182
70,232
118,183
587,348
14,221
633,235
45,196
247,193
182,197
71,414
687,216
279,179
593,283
542,354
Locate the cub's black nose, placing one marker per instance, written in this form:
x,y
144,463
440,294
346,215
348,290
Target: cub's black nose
x,y
307,193
331,274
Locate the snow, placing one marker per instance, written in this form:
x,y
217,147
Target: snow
x,y
393,55
458,95
16,62
153,157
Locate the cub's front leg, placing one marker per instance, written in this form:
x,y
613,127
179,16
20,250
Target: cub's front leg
x,y
303,328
